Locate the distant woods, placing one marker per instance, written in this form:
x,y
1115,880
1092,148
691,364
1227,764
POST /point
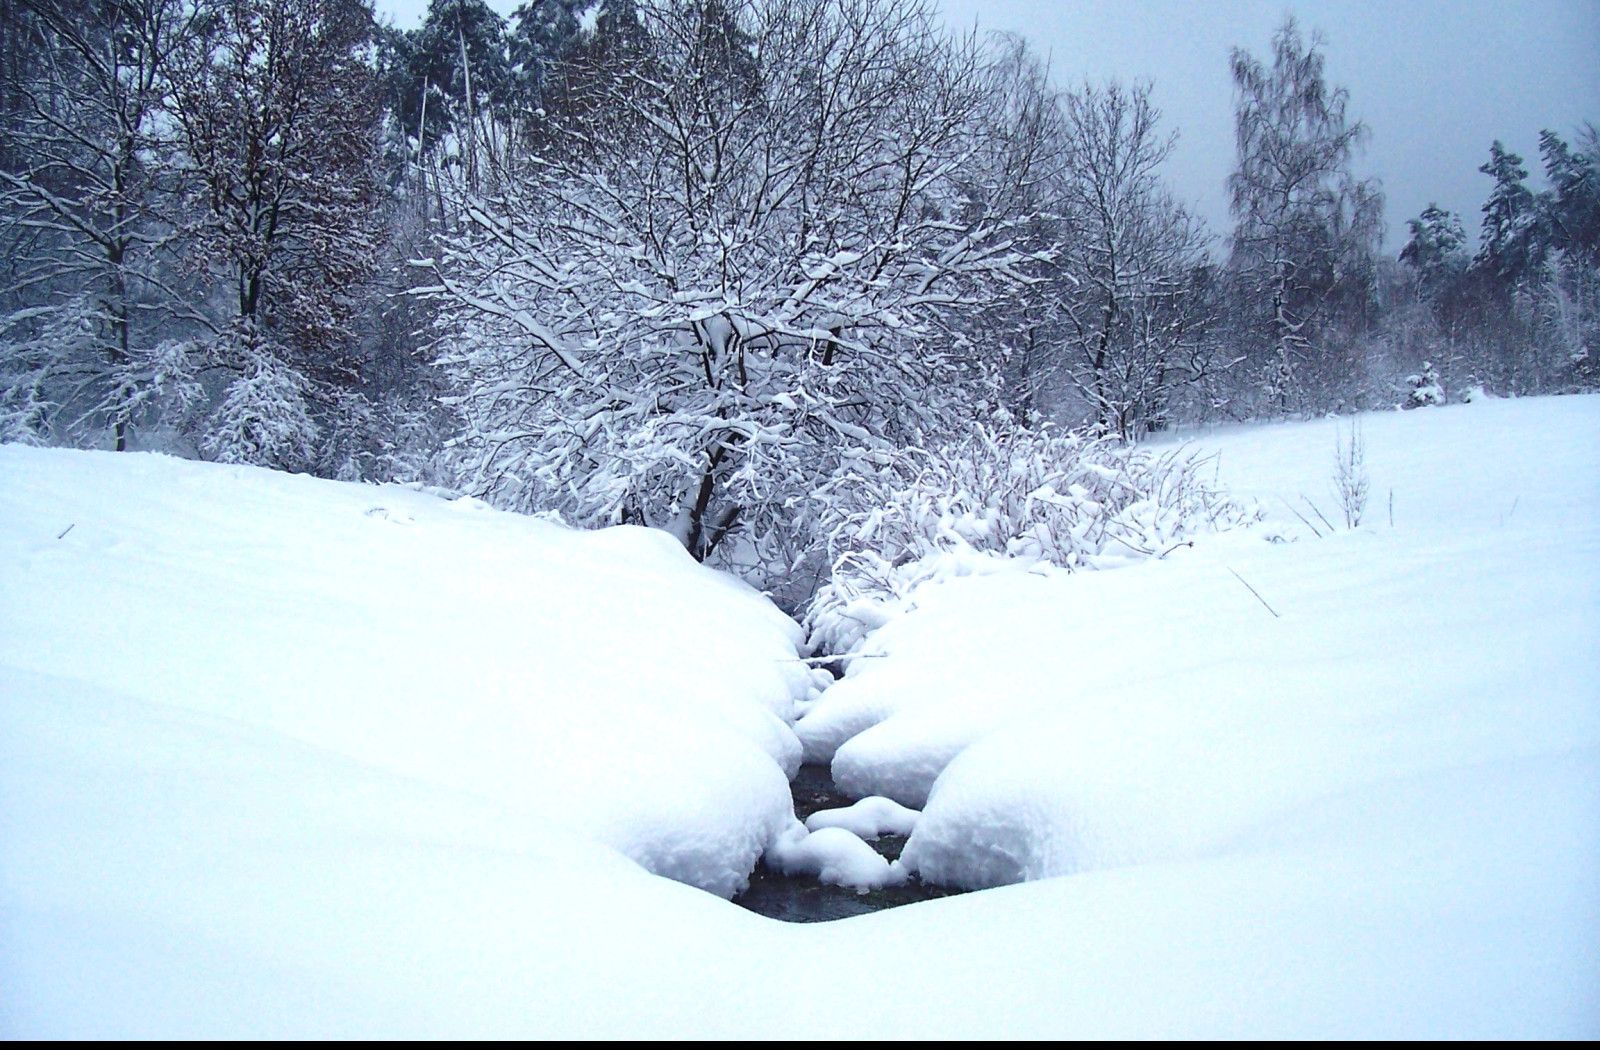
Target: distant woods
x,y
694,263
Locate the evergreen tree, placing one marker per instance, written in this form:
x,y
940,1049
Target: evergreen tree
x,y
1513,240
461,44
1437,248
596,58
1572,211
542,34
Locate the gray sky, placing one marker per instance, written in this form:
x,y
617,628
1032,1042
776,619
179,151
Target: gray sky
x,y
1436,80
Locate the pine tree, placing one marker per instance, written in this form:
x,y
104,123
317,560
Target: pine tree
x,y
1572,210
1437,248
457,59
1513,240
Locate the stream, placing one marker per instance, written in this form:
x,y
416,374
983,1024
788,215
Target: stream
x,y
803,898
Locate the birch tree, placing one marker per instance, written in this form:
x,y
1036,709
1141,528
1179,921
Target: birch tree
x,y
1306,229
1133,318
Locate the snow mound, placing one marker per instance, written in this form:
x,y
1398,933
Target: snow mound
x,y
1181,710
601,680
833,855
868,818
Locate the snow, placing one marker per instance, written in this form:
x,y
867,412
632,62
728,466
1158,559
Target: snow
x,y
273,766
563,673
834,855
868,818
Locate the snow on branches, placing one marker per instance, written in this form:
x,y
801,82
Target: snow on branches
x,y
1000,498
687,321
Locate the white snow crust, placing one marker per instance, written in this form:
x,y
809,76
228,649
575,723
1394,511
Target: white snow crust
x,y
271,765
600,680
833,855
867,818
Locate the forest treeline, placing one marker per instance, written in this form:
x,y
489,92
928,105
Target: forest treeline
x,y
700,263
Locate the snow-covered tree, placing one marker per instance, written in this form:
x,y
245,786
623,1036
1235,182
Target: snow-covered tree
x,y
1426,389
456,78
86,188
552,41
1133,315
1569,306
1306,229
684,322
1513,239
1437,247
1016,170
1573,208
277,107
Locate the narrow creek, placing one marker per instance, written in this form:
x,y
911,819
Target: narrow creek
x,y
804,898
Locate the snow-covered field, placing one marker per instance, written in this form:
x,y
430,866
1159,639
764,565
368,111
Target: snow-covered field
x,y
287,757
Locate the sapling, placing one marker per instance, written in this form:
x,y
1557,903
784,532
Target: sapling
x,y
1350,481
1426,387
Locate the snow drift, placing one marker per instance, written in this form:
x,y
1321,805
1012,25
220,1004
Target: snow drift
x,y
1055,724
600,680
272,765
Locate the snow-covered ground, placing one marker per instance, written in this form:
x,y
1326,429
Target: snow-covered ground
x,y
281,756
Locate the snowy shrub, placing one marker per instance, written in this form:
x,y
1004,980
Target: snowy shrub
x,y
49,369
158,384
62,381
264,418
1426,389
24,410
388,439
1000,498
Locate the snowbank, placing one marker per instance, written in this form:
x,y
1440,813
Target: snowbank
x,y
1057,724
599,680
233,803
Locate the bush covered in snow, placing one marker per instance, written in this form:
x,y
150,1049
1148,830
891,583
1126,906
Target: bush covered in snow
x,y
264,418
1426,388
999,497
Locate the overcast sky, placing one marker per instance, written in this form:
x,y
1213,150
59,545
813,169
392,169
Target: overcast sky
x,y
1436,80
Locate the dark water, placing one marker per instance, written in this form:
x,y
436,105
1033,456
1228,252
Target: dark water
x,y
804,899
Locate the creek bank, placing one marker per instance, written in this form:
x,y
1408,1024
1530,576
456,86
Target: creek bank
x,y
804,898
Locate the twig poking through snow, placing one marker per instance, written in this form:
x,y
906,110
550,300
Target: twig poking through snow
x,y
1317,512
1302,517
1255,592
